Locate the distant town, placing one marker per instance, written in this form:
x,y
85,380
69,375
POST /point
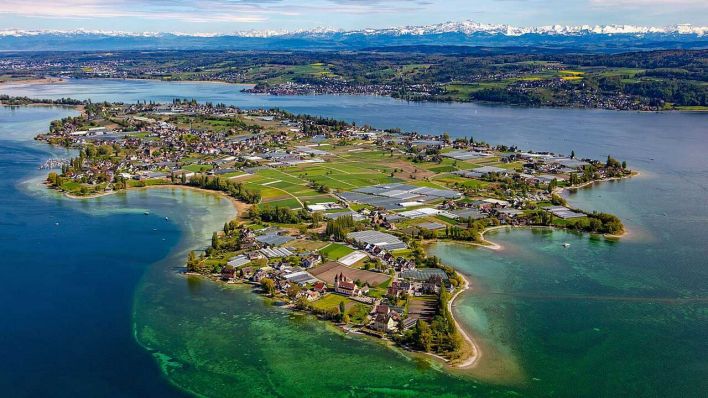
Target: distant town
x,y
645,81
333,218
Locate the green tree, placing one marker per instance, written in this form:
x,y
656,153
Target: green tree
x,y
342,307
192,262
423,336
268,285
215,241
294,290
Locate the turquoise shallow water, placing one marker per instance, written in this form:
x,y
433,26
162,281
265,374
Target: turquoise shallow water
x,y
596,319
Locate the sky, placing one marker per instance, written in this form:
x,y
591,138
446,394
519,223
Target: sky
x,y
225,16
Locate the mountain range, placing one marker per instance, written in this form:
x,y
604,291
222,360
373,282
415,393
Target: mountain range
x,y
609,38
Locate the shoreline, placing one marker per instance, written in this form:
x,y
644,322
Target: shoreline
x,y
625,232
559,190
473,359
52,80
36,80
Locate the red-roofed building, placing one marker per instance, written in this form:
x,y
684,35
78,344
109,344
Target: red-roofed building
x,y
344,286
319,287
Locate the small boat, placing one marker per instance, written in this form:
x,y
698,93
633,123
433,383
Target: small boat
x,y
166,218
147,213
566,244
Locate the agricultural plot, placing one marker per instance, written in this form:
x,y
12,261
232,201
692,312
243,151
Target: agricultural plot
x,y
318,199
279,175
423,307
291,203
197,168
451,180
340,176
304,244
266,192
326,272
335,251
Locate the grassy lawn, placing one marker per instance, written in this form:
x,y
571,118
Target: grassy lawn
x,y
332,300
358,313
147,183
335,251
266,193
696,108
71,186
318,199
233,174
291,203
198,167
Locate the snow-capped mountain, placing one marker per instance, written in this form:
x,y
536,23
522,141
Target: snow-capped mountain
x,y
465,27
471,27
465,33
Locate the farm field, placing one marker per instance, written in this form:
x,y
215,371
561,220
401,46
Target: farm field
x,y
335,251
328,271
424,307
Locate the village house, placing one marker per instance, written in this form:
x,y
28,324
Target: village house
x,y
385,320
228,273
311,260
247,272
319,287
310,295
398,289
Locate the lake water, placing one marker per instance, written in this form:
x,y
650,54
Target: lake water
x,y
599,318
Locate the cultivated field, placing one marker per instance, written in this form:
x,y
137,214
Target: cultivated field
x,y
326,272
423,307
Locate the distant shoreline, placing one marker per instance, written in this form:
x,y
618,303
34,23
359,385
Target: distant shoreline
x,y
32,81
51,80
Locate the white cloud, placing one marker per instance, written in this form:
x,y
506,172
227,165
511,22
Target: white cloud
x,y
247,11
651,3
203,11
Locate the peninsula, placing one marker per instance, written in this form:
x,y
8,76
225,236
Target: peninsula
x,y
334,216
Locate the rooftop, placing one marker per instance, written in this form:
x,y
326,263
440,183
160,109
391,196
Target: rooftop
x,y
381,239
274,239
421,274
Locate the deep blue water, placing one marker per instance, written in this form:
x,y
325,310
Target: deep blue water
x,y
69,271
66,302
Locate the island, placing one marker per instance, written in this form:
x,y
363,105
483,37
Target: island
x,y
333,218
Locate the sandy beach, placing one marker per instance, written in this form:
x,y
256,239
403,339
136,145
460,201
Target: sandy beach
x,y
473,359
